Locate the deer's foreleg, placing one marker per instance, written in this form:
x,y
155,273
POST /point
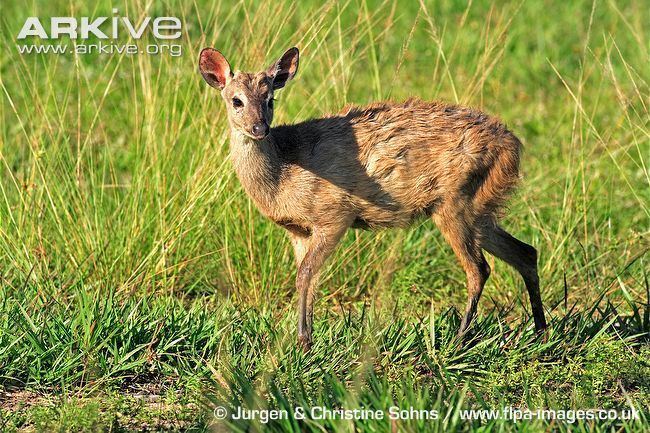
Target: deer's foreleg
x,y
311,253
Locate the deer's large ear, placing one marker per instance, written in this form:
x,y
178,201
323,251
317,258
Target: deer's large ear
x,y
284,69
214,67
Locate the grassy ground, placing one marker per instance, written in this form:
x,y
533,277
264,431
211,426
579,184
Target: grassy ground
x,y
139,287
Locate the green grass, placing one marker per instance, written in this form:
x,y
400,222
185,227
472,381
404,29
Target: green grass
x,y
140,288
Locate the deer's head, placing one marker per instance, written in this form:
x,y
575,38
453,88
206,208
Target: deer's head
x,y
248,96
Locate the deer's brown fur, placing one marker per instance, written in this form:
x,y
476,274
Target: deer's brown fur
x,y
382,165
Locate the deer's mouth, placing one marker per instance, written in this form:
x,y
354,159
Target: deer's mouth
x,y
258,136
250,134
255,136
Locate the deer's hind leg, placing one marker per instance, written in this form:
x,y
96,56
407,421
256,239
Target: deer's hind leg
x,y
458,229
523,258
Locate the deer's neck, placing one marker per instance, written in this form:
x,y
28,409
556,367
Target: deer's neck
x,y
258,167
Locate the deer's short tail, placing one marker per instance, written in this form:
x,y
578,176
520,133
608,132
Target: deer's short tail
x,y
500,180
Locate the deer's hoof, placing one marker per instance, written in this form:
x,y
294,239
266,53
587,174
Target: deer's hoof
x,y
542,333
463,331
304,342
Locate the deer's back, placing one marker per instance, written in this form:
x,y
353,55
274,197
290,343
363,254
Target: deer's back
x,y
392,162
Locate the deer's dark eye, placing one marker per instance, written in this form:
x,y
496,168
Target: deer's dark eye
x,y
237,103
271,102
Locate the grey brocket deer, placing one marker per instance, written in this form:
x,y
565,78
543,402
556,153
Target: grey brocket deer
x,y
381,165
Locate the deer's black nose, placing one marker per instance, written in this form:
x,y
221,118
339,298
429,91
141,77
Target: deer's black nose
x,y
260,130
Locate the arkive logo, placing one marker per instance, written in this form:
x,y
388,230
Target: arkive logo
x,y
107,30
